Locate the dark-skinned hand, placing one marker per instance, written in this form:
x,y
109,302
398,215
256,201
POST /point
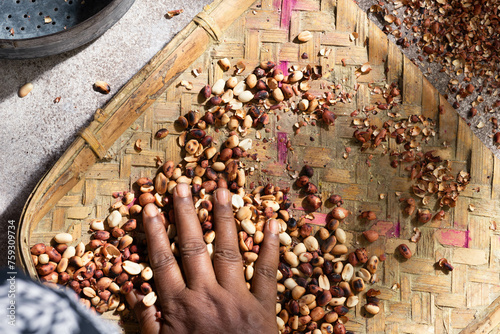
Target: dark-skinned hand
x,y
210,297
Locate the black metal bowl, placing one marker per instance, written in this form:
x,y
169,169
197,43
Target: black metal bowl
x,y
39,28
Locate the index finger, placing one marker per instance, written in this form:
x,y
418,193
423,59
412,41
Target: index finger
x,y
167,274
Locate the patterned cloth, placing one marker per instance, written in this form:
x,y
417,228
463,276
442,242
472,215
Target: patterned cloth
x,y
42,310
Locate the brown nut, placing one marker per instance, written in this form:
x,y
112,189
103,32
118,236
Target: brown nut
x,y
352,259
287,91
53,254
361,255
53,277
424,215
168,168
336,200
358,284
313,201
101,235
161,183
339,213
162,133
206,91
64,278
302,181
117,232
130,225
311,188
308,171
38,249
126,288
372,264
46,269
141,182
101,87
323,298
443,263
405,251
226,154
328,244
331,317
369,215
193,117
328,117
370,235
209,186
146,198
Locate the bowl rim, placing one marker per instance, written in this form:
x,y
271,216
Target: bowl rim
x,y
103,12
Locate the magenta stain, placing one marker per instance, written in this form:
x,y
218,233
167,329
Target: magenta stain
x,y
394,231
454,238
132,203
276,4
319,219
282,150
286,13
283,65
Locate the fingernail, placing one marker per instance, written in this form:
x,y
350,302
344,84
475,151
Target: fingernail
x,y
182,190
222,195
273,226
151,210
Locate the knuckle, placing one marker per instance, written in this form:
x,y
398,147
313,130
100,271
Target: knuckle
x,y
223,219
162,260
227,255
224,212
266,272
192,248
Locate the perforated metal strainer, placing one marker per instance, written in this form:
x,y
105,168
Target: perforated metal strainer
x,y
36,28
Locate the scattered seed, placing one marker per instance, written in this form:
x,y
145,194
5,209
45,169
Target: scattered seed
x,y
25,89
173,13
101,87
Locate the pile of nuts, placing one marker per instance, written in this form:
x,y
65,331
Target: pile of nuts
x,y
462,37
431,175
318,278
115,260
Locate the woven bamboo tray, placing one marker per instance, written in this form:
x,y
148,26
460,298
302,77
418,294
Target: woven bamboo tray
x,y
103,159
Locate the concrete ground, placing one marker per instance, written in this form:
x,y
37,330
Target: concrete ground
x,y
36,131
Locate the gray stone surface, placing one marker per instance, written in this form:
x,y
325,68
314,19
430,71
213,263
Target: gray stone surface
x,y
35,131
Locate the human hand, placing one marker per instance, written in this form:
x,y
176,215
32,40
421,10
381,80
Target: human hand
x,y
208,298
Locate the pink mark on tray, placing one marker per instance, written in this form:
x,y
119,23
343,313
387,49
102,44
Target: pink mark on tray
x,y
276,4
282,150
319,219
389,229
395,231
286,13
283,65
453,238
